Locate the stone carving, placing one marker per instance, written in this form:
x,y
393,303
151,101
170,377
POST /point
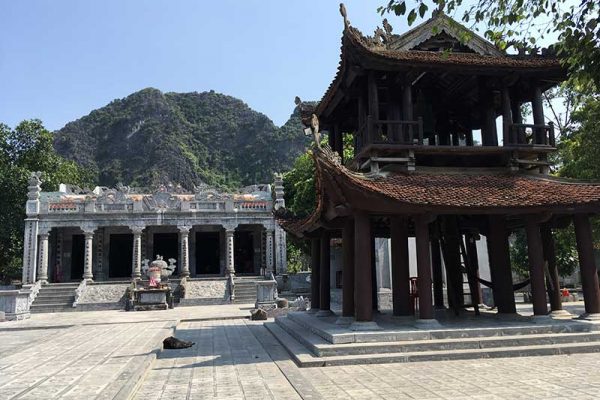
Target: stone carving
x,y
314,127
34,187
206,192
158,270
112,196
161,200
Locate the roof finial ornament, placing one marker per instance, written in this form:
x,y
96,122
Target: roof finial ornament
x,y
439,11
387,27
314,127
345,15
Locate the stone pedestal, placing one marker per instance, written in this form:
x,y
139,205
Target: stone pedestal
x,y
266,294
152,299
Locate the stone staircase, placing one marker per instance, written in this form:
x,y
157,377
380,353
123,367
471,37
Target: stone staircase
x,y
308,346
55,297
245,289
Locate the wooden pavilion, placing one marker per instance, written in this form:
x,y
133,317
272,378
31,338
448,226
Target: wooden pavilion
x,y
415,104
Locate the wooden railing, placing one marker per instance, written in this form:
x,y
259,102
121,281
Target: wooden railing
x,y
392,131
531,135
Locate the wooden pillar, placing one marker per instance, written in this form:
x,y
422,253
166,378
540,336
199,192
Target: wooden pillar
x,y
363,308
325,282
535,254
315,279
537,109
400,266
373,104
471,249
374,291
436,269
552,282
506,115
348,269
489,135
587,263
407,109
451,248
499,258
338,140
423,267
394,113
361,138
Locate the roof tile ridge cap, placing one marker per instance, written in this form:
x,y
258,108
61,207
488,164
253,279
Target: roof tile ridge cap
x,y
567,181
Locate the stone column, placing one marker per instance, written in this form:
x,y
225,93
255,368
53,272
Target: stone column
x,y
88,255
280,250
315,278
587,263
400,267
363,287
499,259
30,244
325,283
536,267
43,258
136,264
229,260
423,268
184,235
270,251
347,273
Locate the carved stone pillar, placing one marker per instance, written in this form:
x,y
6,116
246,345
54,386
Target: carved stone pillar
x,y
30,250
184,234
229,259
88,255
270,251
136,264
43,257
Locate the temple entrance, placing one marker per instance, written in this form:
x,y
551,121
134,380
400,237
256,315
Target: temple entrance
x,y
244,252
167,246
77,256
120,255
207,253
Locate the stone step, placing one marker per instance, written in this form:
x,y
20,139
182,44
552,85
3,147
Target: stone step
x,y
323,329
50,308
319,347
305,358
55,300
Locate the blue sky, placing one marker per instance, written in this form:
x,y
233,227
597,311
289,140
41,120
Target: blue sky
x,y
61,59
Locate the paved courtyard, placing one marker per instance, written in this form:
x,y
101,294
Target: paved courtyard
x,y
110,354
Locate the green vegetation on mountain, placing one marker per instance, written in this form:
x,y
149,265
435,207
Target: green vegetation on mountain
x,y
152,137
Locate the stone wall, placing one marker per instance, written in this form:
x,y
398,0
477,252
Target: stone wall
x,y
103,296
205,291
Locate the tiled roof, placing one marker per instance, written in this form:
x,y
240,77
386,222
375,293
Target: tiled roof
x,y
468,190
353,39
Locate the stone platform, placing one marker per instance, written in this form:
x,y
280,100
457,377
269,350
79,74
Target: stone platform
x,y
319,341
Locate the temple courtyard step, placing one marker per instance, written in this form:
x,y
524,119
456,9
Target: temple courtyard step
x,y
245,290
309,349
55,297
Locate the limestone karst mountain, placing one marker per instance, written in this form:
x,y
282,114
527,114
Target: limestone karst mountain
x,y
152,137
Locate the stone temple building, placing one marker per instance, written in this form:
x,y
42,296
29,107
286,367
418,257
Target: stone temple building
x,y
106,235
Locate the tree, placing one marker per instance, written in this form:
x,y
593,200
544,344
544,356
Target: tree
x,y
25,149
519,24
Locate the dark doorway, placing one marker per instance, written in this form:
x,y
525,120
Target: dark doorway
x,y
166,246
120,255
243,245
207,253
77,255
